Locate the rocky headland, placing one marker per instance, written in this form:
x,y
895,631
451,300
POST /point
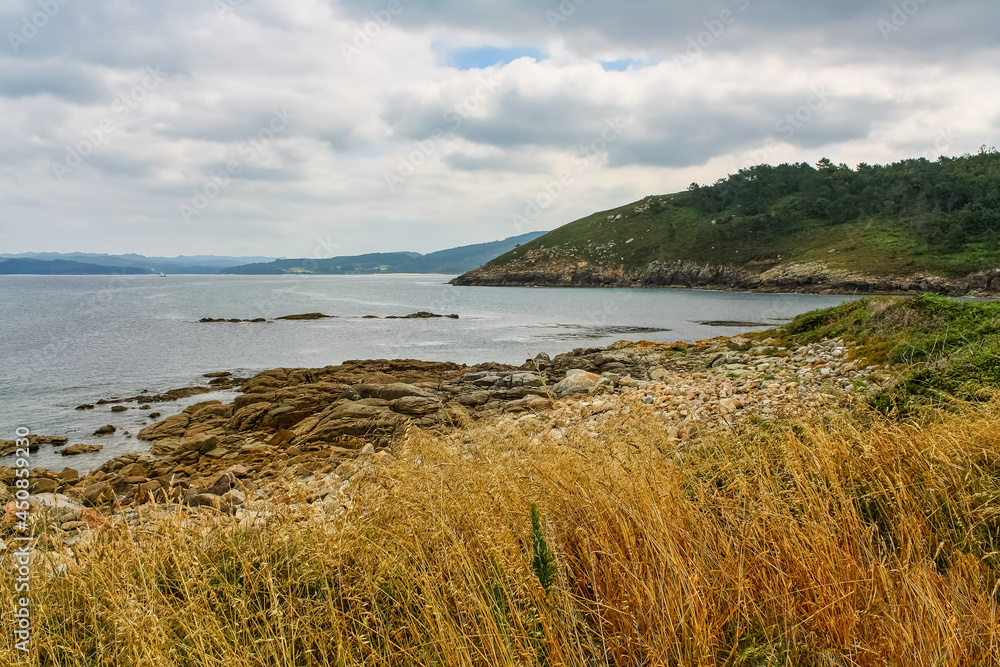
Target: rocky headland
x,y
540,268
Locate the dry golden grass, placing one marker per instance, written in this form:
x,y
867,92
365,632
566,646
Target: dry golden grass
x,y
856,542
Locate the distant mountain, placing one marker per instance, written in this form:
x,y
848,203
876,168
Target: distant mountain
x,y
61,267
204,264
450,261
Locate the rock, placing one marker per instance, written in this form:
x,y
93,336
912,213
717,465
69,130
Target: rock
x,y
152,415
321,488
92,519
69,475
43,485
739,344
530,403
98,493
383,458
306,316
75,450
105,430
171,427
118,408
659,374
233,499
577,381
144,407
222,484
415,405
422,315
59,508
85,406
204,500
474,398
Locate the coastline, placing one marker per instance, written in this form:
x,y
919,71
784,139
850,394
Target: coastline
x,y
751,464
801,278
323,425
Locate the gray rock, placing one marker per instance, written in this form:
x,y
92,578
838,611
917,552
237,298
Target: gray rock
x,y
59,508
576,382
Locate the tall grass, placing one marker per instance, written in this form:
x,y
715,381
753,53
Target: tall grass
x,y
855,542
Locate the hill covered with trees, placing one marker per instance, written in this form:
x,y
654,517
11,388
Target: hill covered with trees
x,y
914,225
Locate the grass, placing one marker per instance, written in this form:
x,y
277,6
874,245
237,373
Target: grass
x,y
859,540
669,228
949,348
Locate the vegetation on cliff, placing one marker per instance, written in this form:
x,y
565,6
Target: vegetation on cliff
x,y
948,349
910,217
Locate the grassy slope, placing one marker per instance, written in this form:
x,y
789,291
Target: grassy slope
x,y
843,543
947,348
673,229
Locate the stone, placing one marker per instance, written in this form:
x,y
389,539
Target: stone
x,y
577,381
282,437
306,316
43,485
118,408
105,430
74,450
415,405
530,403
233,499
739,344
59,508
204,500
93,519
85,406
383,458
222,484
98,493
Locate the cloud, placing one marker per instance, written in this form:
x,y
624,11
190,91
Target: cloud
x,y
474,106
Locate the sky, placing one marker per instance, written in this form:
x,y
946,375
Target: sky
x,y
314,128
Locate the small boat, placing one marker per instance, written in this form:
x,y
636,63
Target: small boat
x,y
162,274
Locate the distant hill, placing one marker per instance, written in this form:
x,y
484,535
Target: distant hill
x,y
61,268
911,226
200,264
450,261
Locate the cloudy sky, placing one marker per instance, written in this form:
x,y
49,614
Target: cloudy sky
x,y
309,128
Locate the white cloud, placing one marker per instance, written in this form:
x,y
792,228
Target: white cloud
x,y
473,148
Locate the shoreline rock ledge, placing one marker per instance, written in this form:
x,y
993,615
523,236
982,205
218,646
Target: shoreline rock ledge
x,y
805,277
329,423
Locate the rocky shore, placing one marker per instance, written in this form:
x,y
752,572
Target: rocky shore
x,y
813,278
312,433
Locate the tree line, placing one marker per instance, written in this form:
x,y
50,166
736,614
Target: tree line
x,y
945,204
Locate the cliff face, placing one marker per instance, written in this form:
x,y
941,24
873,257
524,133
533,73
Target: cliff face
x,y
811,277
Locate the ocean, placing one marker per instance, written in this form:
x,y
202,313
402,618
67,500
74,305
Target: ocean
x,y
69,340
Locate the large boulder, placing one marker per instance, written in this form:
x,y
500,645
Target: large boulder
x,y
577,381
58,507
171,427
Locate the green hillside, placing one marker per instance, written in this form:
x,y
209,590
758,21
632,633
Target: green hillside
x,y
905,218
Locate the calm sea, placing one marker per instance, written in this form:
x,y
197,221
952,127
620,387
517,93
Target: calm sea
x,y
76,339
